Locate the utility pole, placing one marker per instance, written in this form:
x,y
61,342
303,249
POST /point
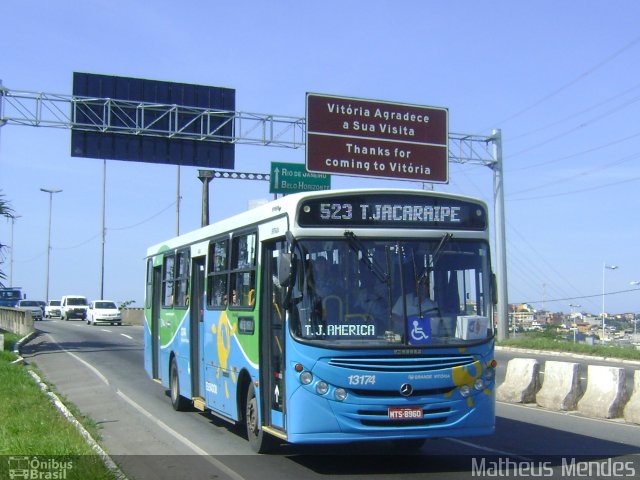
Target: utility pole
x,y
50,192
13,221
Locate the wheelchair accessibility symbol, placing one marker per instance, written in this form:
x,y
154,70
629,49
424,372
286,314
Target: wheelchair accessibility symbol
x,y
419,330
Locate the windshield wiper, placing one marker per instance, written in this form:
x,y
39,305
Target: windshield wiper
x,y
356,245
435,256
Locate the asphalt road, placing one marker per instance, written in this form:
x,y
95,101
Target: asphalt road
x,y
100,370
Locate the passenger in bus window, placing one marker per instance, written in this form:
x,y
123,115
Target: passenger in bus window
x,y
417,301
322,279
373,301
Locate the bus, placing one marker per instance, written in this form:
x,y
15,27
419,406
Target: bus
x,y
330,317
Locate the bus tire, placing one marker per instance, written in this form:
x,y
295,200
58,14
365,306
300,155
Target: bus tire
x,y
178,402
259,441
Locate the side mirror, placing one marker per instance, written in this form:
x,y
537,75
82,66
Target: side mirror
x,y
285,269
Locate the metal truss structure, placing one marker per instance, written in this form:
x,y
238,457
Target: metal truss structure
x,y
149,119
175,121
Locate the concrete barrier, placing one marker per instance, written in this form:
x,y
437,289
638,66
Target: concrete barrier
x,y
632,410
605,394
561,386
521,383
1,342
18,321
133,316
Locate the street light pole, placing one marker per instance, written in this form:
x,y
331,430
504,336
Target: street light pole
x,y
50,192
574,325
635,322
13,221
604,269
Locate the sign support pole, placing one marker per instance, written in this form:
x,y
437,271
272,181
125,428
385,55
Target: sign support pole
x,y
178,198
104,207
501,244
205,177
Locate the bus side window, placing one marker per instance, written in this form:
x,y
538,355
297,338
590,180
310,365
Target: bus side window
x,y
218,274
243,265
167,280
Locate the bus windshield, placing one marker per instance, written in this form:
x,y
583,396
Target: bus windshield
x,y
354,291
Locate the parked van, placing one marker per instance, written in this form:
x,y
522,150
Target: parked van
x,y
74,306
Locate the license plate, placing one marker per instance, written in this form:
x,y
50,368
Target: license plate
x,y
405,413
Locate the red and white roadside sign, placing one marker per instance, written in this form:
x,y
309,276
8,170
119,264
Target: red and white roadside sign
x,y
371,138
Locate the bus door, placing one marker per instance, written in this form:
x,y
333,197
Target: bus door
x,y
196,315
272,334
156,297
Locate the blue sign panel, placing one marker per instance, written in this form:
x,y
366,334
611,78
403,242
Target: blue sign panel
x,y
152,121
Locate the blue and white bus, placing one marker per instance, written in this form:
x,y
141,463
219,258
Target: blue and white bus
x,y
329,317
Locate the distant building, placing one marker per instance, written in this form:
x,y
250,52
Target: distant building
x,y
521,315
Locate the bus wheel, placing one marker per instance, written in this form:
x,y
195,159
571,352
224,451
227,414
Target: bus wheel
x,y
260,442
178,401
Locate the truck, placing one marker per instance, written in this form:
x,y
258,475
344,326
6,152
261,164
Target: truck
x,y
10,296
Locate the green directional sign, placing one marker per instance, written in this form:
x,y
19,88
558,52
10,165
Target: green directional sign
x,y
294,177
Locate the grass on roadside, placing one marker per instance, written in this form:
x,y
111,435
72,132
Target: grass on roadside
x,y
32,427
539,342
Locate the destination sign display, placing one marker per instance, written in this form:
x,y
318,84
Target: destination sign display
x,y
392,211
376,139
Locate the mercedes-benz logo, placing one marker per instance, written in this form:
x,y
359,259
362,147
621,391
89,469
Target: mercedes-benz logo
x,y
406,390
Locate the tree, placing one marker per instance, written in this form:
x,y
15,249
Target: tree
x,y
5,211
126,304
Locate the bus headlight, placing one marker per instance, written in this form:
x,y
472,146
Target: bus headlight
x,y
478,384
340,394
322,387
465,391
306,378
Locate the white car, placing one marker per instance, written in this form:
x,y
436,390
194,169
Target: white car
x,y
33,306
103,311
53,309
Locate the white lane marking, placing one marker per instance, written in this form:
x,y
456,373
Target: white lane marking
x,y
90,367
233,474
105,330
186,441
127,336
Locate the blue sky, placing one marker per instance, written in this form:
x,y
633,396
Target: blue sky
x,y
560,79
